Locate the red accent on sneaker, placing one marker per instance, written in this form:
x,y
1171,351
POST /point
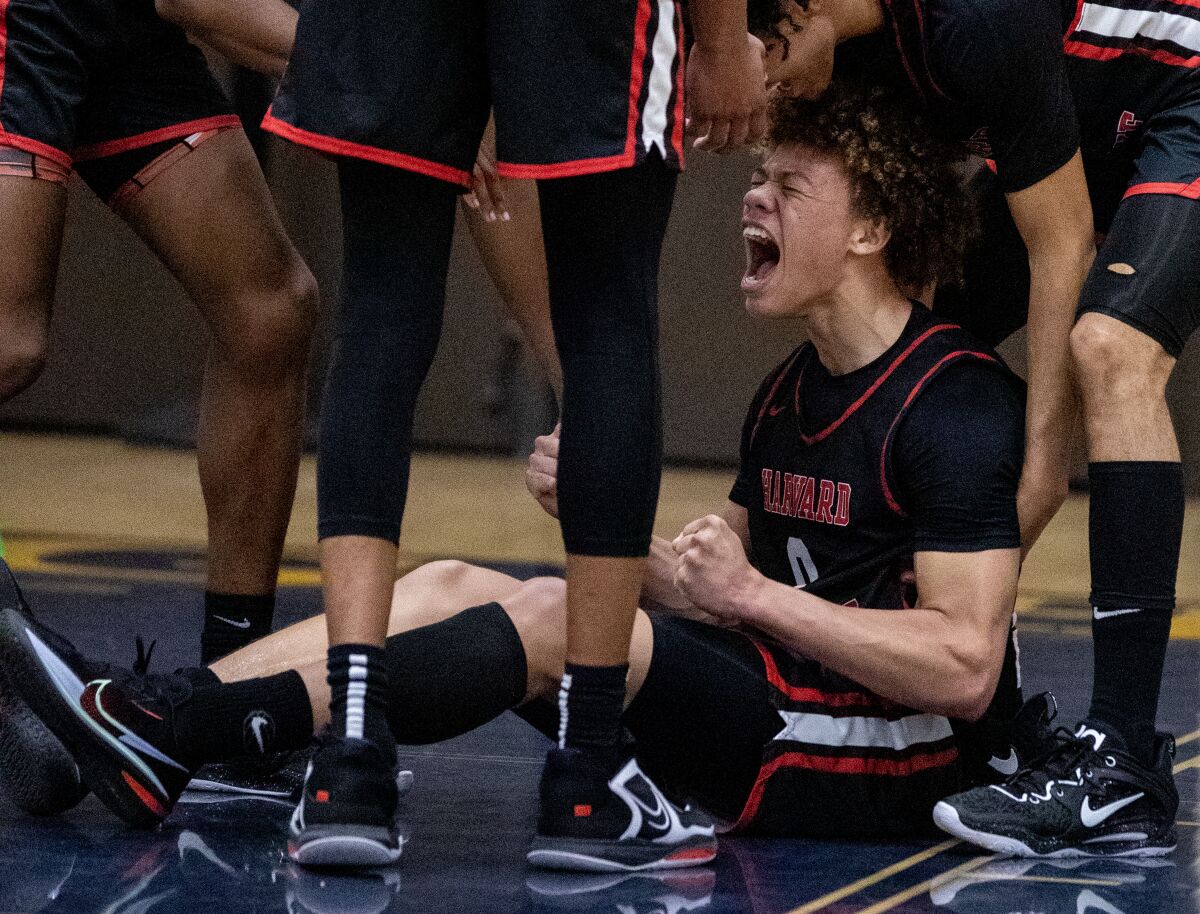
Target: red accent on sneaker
x,y
582,810
692,853
144,710
322,796
147,798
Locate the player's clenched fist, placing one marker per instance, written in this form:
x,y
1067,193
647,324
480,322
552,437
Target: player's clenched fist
x,y
713,570
727,94
541,475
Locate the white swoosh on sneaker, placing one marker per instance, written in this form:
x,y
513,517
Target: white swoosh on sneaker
x,y
245,623
1005,765
1093,817
1105,613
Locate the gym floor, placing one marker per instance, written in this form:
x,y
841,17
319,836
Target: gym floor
x,y
108,542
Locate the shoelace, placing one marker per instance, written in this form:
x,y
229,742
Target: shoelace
x,y
1063,758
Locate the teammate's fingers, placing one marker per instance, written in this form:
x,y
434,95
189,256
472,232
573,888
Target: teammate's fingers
x,y
717,137
739,129
547,466
479,186
547,444
759,123
699,128
496,191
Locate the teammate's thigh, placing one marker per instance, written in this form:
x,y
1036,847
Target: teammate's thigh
x,y
703,714
993,301
1147,272
31,225
211,220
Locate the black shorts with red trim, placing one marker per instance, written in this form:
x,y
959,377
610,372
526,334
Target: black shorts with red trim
x,y
1144,182
577,88
778,745
87,79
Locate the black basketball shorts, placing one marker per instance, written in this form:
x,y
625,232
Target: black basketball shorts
x,y
577,88
85,80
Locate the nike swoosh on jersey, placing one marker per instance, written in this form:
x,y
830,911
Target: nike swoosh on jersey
x,y
1106,613
244,623
1093,817
1007,765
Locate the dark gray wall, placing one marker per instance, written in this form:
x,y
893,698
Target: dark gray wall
x,y
127,347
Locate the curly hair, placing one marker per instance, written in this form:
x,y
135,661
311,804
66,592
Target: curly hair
x,y
899,172
764,17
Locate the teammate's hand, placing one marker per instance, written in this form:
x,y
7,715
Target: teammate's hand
x,y
713,570
727,95
541,475
486,195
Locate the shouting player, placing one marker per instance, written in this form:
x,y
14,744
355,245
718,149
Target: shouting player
x,y
784,671
1072,102
120,96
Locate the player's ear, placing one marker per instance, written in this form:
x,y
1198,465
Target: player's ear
x,y
869,236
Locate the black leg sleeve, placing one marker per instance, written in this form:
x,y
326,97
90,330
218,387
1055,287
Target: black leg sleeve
x,y
603,237
397,228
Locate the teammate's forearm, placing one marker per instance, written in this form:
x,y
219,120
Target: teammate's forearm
x,y
258,35
920,657
241,54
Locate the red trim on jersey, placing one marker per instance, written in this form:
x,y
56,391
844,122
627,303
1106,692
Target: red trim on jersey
x,y
637,69
840,765
3,49
334,146
173,132
25,144
762,410
1079,48
1074,22
900,46
563,169
677,128
924,58
857,404
1191,191
862,700
912,395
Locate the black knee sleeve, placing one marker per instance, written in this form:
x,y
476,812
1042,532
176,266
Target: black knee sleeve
x,y
453,676
603,238
397,229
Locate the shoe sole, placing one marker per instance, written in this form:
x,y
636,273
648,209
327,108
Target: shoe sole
x,y
617,857
105,764
207,786
349,846
947,819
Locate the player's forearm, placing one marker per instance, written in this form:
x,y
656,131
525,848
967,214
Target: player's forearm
x,y
922,658
257,34
658,587
718,23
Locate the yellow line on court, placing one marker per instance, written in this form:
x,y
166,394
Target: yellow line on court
x,y
921,887
1063,880
867,881
1187,823
1188,738
1193,762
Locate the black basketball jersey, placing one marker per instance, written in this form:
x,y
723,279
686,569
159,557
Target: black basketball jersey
x,y
826,500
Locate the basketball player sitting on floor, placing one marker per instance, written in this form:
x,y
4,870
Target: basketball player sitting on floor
x,y
823,655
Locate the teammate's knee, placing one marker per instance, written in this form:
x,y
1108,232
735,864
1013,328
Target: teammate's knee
x,y
1117,362
272,336
442,575
22,358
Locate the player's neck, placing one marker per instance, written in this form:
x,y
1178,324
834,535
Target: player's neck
x,y
857,324
852,18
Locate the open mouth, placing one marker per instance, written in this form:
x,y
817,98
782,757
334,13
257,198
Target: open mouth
x,y
762,257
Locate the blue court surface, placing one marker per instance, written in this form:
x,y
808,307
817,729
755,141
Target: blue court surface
x,y
471,811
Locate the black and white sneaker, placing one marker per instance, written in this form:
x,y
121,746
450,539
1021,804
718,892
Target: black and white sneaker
x,y
117,728
1086,797
346,816
277,776
595,821
36,772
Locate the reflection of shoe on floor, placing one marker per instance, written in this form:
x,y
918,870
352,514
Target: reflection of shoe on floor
x,y
42,875
346,816
1086,797
308,892
595,820
36,772
662,892
1047,885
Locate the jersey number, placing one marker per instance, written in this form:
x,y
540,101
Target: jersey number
x,y
802,564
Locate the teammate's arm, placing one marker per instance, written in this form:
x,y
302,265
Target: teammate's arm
x,y
257,35
726,78
1054,217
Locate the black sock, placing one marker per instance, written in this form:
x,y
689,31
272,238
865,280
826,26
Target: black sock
x,y
252,717
358,685
448,678
232,621
590,704
1135,529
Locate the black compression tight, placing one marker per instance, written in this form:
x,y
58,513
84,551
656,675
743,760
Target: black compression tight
x,y
604,236
397,228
